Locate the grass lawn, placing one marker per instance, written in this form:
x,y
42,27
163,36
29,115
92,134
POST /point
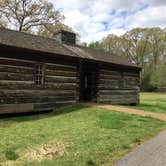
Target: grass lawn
x,y
154,102
91,136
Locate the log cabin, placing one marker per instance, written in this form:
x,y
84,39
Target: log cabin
x,y
40,74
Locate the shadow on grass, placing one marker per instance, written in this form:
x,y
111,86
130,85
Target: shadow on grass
x,y
21,117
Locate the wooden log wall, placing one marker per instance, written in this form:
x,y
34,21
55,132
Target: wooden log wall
x,y
118,87
18,92
94,86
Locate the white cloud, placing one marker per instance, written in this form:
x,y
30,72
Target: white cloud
x,y
94,19
150,17
99,35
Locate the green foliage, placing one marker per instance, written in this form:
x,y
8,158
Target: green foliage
x,y
158,78
95,45
146,82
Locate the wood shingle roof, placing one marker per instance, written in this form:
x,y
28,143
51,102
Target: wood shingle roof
x,y
37,43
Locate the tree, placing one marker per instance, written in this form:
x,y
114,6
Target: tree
x,y
137,41
24,15
94,45
157,43
158,78
49,29
114,44
2,21
146,48
84,44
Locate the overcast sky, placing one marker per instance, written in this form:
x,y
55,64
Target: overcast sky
x,y
95,19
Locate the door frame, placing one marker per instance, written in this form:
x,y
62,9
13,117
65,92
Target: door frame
x,y
91,69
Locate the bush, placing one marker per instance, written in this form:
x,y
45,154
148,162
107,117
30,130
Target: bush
x,y
146,83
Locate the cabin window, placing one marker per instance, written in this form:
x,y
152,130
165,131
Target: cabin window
x,y
122,81
86,82
39,74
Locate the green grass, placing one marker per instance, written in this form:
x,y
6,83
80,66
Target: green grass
x,y
91,136
154,102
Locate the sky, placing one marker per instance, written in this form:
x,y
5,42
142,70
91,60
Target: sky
x,y
95,19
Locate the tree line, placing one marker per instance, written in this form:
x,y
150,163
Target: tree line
x,y
146,47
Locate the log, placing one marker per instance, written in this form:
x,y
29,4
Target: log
x,y
16,76
59,79
16,69
57,67
60,73
17,62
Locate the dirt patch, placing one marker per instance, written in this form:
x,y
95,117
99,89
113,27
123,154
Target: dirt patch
x,y
159,116
44,152
47,151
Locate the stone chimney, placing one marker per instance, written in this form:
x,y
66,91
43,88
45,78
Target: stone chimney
x,y
65,37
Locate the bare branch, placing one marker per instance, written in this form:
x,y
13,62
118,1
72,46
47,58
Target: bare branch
x,y
26,14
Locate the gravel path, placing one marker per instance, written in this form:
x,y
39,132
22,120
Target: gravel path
x,y
150,153
160,116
